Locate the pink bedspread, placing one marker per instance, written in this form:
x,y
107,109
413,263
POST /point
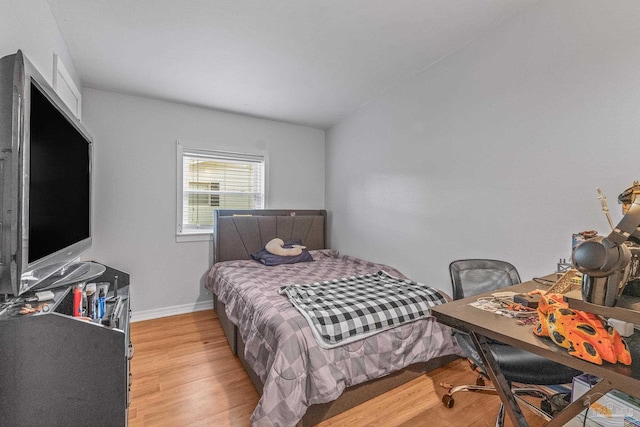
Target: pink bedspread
x,y
280,347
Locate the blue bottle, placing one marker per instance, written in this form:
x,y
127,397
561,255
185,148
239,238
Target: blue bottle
x,y
101,303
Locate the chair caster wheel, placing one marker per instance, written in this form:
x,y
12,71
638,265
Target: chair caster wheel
x,y
448,401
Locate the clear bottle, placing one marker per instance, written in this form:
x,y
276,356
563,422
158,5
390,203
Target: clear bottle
x,y
84,303
91,303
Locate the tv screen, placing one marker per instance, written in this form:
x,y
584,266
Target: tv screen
x,y
45,183
59,181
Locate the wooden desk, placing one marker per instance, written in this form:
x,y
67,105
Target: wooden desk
x,y
482,324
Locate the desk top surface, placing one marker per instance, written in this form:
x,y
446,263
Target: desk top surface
x,y
460,315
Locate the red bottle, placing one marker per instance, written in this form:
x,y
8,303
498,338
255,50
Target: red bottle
x,y
77,301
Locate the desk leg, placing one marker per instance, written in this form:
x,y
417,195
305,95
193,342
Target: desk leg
x,y
499,381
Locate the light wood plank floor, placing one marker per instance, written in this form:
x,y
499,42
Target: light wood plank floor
x,y
185,375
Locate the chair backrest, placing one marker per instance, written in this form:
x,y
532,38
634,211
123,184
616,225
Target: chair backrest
x,y
474,276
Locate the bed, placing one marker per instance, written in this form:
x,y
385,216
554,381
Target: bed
x,y
301,383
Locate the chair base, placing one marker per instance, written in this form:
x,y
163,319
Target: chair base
x,y
449,401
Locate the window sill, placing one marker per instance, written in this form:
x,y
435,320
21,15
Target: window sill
x,y
194,237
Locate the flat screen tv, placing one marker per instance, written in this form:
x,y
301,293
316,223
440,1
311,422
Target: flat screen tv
x,y
46,158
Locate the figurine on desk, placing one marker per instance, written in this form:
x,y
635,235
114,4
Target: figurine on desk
x,y
608,263
633,282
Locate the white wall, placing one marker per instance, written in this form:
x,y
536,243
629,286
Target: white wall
x,y
497,150
29,25
135,187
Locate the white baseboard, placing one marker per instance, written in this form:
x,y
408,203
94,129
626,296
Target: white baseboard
x,y
138,316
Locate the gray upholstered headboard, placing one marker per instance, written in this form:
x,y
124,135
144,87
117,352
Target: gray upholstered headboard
x,y
239,233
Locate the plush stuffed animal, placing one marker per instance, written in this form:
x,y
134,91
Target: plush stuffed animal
x,y
275,246
586,335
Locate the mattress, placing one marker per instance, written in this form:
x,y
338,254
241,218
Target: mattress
x,y
281,349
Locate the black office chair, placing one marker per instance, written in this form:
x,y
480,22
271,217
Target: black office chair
x,y
475,276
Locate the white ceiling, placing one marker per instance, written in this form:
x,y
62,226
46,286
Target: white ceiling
x,y
308,62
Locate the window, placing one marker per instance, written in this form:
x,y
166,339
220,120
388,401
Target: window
x,y
209,180
201,201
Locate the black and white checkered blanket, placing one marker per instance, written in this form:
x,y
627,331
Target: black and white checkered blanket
x,y
352,308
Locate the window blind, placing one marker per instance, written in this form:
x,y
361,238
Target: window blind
x,y
218,180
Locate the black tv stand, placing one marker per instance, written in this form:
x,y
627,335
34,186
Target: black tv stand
x,y
59,370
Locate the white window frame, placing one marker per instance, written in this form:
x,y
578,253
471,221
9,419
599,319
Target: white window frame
x,y
199,235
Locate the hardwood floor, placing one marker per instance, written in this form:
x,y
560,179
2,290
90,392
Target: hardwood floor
x,y
185,375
